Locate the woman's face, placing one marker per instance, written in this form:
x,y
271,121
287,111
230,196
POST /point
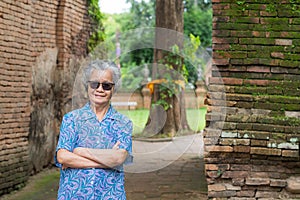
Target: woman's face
x,y
102,94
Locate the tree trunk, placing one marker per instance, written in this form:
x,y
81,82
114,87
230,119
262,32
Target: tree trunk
x,y
169,15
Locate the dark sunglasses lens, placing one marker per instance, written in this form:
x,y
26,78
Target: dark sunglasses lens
x,y
107,86
94,85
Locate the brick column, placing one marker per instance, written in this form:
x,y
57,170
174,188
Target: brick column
x,y
252,134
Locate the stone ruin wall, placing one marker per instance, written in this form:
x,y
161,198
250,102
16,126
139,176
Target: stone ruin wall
x,y
253,130
39,43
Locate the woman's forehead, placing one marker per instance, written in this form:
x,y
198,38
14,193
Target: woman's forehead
x,y
101,74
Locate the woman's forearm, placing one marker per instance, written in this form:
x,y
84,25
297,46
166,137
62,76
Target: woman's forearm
x,y
107,157
72,160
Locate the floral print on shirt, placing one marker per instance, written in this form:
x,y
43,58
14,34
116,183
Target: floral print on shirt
x,y
81,128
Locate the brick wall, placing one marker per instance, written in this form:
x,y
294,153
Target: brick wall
x,y
40,43
253,127
15,87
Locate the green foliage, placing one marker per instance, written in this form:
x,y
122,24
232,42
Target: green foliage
x,y
199,23
194,63
240,3
174,73
272,7
142,13
97,26
187,70
200,4
169,88
131,76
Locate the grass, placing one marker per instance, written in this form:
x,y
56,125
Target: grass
x,y
195,118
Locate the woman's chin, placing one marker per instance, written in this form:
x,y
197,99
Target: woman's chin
x,y
99,102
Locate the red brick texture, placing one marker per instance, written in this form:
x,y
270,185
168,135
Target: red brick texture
x,y
37,41
253,124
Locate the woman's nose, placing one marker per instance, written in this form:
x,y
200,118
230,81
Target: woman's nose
x,y
100,88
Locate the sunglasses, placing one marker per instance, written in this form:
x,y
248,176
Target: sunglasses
x,y
106,86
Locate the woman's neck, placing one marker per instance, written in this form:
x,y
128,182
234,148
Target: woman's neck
x,y
100,110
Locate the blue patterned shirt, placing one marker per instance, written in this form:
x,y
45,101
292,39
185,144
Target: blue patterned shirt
x,y
81,128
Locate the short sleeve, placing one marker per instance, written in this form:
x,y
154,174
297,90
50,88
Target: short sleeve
x,y
67,136
125,138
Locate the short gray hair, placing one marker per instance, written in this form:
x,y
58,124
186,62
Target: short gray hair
x,y
102,65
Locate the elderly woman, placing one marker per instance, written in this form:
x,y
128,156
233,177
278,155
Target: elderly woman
x,y
94,141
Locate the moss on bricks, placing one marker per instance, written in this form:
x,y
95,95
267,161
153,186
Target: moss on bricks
x,y
279,120
250,90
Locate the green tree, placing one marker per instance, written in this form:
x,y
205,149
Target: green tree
x,y
97,32
141,15
198,21
167,70
198,4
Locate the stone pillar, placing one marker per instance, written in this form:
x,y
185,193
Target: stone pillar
x,y
146,97
146,91
200,93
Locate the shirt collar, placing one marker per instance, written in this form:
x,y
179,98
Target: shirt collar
x,y
88,113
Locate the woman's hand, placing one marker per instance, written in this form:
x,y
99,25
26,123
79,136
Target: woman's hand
x,y
71,160
116,146
110,158
81,151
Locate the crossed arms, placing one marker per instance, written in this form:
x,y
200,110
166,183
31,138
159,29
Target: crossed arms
x,y
92,158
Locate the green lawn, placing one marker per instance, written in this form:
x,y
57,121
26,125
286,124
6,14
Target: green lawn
x,y
195,117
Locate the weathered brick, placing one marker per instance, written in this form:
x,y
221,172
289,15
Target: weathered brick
x,y
272,59
267,194
241,149
227,40
258,69
213,174
238,181
291,153
224,61
219,148
257,181
232,187
234,142
216,167
216,187
221,46
232,81
240,167
30,29
235,174
229,134
265,151
278,183
210,141
277,55
257,82
260,41
222,194
246,193
284,42
260,143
